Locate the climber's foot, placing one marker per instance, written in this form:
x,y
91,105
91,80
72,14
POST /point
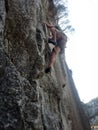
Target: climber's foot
x,y
47,70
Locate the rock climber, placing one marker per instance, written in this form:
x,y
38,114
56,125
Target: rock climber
x,y
58,39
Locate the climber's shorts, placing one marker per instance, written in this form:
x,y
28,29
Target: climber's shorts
x,y
60,43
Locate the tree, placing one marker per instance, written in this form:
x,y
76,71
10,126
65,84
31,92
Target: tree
x,y
62,15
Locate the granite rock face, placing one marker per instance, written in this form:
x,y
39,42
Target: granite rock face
x,y
29,98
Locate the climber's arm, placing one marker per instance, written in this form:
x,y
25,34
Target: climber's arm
x,y
49,25
52,30
54,35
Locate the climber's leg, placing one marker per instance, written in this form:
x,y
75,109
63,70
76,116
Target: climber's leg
x,y
55,51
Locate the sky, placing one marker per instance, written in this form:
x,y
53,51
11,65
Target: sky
x,y
81,52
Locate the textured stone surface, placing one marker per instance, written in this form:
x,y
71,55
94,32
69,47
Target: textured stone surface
x,y
91,109
29,98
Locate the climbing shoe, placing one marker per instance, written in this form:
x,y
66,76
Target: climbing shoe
x,y
47,70
51,41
